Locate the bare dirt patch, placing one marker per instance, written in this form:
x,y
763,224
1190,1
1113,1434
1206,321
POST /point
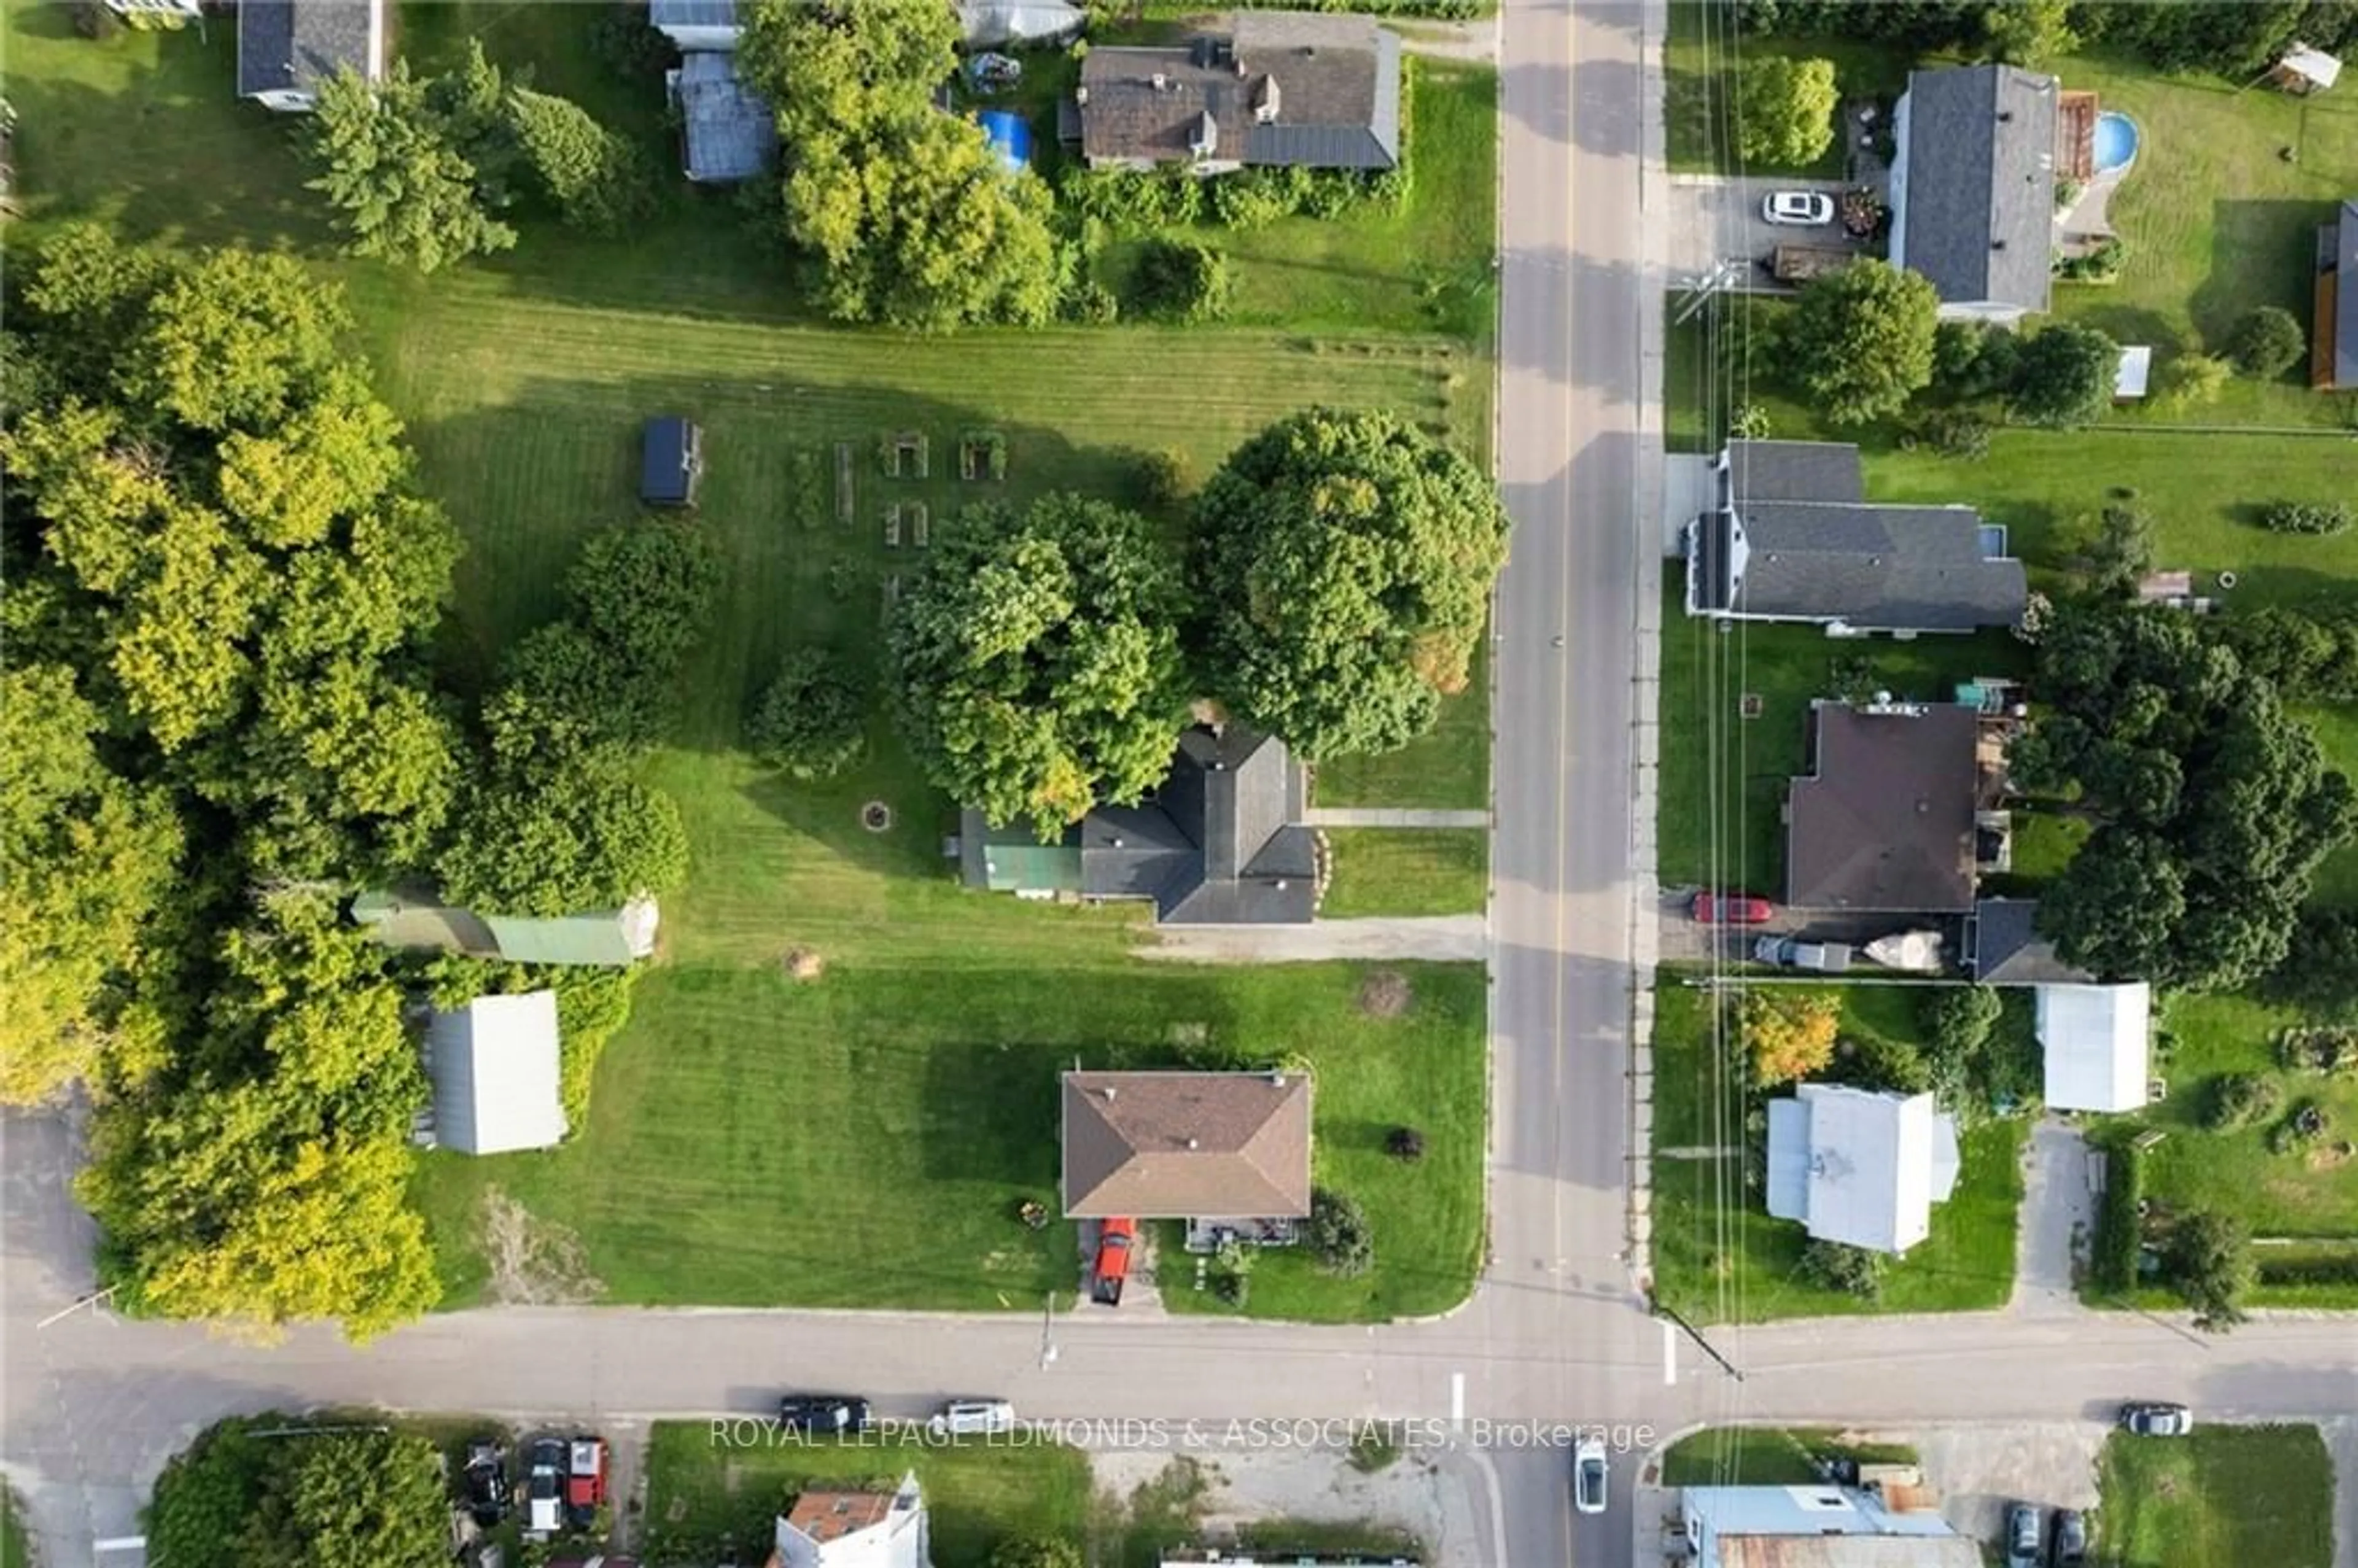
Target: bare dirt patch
x,y
1385,994
534,1262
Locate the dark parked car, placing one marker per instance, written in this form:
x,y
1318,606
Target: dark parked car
x,y
486,1482
2023,1530
824,1415
2158,1420
545,1487
672,462
2068,1546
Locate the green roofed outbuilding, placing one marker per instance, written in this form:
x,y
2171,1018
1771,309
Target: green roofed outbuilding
x,y
611,937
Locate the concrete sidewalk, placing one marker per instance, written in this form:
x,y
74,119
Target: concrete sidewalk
x,y
1391,816
1438,938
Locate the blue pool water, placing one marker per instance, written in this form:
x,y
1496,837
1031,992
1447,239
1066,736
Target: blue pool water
x,y
2116,142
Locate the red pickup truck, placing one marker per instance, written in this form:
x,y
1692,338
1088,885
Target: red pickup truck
x,y
1116,1238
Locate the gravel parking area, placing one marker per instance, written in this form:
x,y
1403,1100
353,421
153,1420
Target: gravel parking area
x,y
1420,1493
1714,216
1979,1470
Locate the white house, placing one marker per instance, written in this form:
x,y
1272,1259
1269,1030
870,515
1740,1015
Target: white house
x,y
495,1066
855,1529
1860,1167
2096,1042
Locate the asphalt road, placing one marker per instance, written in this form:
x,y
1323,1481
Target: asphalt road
x,y
1557,1333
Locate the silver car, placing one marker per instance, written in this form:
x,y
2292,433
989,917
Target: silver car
x,y
2025,1533
2158,1420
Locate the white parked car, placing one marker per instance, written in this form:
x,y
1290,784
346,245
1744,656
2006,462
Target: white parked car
x,y
1588,1476
1804,209
971,1417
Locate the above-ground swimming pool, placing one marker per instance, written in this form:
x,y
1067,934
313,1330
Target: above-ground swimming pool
x,y
2116,142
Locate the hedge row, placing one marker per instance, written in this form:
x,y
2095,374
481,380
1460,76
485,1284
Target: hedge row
x,y
2341,1270
2120,1229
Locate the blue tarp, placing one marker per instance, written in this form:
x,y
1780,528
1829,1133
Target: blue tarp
x,y
1010,137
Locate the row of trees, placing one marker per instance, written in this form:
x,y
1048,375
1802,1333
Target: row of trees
x,y
1045,659
2233,36
220,718
417,169
261,1492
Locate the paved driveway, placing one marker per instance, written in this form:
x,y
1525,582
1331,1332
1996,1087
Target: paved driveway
x,y
1710,218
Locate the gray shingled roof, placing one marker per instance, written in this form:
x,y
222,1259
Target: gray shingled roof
x,y
1220,843
2006,948
1886,821
1827,471
2337,251
1337,94
728,132
1979,211
1186,1145
692,13
300,44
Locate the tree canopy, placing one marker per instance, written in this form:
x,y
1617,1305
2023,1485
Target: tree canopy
x,y
2064,375
85,856
811,721
906,213
1785,111
1860,340
1037,663
2214,805
598,180
325,1499
394,167
1344,562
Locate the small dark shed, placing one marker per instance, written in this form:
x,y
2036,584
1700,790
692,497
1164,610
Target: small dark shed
x,y
673,463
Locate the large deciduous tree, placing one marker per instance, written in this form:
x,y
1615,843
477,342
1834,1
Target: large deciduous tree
x,y
1860,340
1037,663
394,167
906,213
2215,805
85,856
1344,563
2064,375
297,1499
1785,111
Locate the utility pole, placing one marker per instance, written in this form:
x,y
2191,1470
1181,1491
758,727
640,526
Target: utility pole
x,y
1696,1334
1048,1332
1717,280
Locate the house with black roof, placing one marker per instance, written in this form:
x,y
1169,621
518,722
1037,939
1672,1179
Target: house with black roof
x,y
1220,842
1790,536
2333,337
285,48
1973,188
1271,89
2004,947
1886,819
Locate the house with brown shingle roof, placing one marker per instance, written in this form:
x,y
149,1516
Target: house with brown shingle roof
x,y
855,1529
1271,89
1175,1145
1886,819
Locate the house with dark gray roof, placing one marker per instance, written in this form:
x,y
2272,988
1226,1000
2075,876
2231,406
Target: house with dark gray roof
x,y
1221,840
2002,947
1186,1145
1792,537
728,132
2333,335
1271,89
285,48
1973,188
1884,820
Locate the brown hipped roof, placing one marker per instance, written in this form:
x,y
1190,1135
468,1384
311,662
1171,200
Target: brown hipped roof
x,y
830,1516
1186,1145
1884,822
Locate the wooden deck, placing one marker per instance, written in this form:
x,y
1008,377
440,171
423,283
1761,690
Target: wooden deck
x,y
2075,136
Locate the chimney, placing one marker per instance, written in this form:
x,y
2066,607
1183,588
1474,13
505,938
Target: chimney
x,y
1266,100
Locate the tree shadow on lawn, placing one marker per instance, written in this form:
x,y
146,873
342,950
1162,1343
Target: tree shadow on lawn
x,y
2262,252
2129,325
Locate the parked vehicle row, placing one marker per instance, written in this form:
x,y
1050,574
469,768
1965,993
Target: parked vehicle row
x,y
2031,1542
565,1483
848,1415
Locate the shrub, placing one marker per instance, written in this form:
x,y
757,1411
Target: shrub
x,y
1164,477
1180,280
2340,1270
2190,379
1973,359
2305,1125
1750,423
1091,302
811,721
1873,1061
1956,433
1837,1266
1253,198
2120,1221
2267,342
2102,264
2322,518
2209,1260
1958,1022
1405,1144
1338,1234
2239,1100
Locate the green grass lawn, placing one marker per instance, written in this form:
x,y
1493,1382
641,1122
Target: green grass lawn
x,y
704,1494
15,1546
1724,775
2337,733
1719,1256
1767,1455
1448,769
2216,223
2277,1194
1408,871
866,1138
2225,1494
